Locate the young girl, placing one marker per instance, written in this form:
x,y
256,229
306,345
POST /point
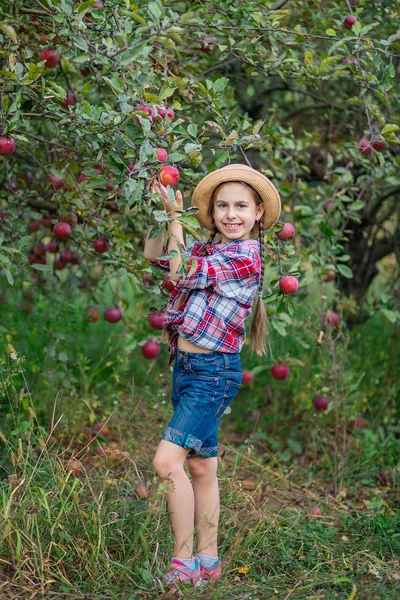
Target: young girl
x,y
204,325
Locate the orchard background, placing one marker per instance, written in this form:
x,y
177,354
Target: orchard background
x,y
96,99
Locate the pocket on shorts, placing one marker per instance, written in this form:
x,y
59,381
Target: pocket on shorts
x,y
230,393
204,372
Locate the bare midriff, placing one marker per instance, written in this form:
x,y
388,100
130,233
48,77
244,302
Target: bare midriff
x,y
187,346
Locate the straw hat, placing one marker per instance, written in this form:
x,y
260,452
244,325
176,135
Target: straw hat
x,y
237,172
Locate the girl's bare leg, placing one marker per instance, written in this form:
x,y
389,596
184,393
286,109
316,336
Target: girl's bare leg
x,y
206,502
169,464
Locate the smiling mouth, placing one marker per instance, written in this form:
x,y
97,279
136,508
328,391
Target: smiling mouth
x,y
232,226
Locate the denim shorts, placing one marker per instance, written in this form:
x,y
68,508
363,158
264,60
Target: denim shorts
x,y
203,386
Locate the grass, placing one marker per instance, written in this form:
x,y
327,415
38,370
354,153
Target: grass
x,y
75,524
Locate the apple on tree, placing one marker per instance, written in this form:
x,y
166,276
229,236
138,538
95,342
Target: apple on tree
x,y
7,145
101,244
321,402
287,232
247,377
162,155
50,57
349,21
169,175
365,146
288,284
151,349
156,320
280,371
112,314
62,230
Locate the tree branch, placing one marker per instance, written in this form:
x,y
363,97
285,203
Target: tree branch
x,y
371,214
384,246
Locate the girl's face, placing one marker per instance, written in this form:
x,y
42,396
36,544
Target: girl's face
x,y
235,212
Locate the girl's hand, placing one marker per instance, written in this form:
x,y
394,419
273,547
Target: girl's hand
x,y
157,188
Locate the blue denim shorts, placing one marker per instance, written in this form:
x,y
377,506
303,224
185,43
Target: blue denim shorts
x,y
203,386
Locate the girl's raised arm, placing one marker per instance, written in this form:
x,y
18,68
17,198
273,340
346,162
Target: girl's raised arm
x,y
153,248
175,229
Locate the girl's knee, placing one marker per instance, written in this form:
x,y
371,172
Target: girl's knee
x,y
203,467
166,465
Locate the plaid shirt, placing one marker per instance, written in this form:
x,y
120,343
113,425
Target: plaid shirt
x,y
219,291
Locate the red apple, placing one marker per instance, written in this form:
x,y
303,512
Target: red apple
x,y
321,402
288,284
101,244
156,320
378,144
76,260
162,155
161,111
170,113
149,110
29,295
169,175
7,145
148,278
62,230
34,226
168,284
69,218
39,249
365,146
50,56
316,512
52,247
346,60
349,21
70,100
151,349
280,371
113,314
332,318
247,377
59,264
66,255
46,221
32,258
92,314
358,423
329,276
55,182
99,5
287,232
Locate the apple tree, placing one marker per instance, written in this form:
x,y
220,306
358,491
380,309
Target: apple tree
x,y
99,97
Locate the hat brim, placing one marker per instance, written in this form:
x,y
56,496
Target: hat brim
x,y
236,172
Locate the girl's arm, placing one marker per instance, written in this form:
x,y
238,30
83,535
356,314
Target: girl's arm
x,y
175,229
153,248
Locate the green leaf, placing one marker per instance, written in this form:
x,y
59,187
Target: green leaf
x,y
125,58
220,84
9,276
390,128
192,130
63,357
330,32
9,32
345,271
390,315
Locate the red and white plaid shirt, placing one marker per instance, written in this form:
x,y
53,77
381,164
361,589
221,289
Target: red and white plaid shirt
x,y
219,291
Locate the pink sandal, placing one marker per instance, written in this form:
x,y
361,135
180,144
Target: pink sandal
x,y
182,576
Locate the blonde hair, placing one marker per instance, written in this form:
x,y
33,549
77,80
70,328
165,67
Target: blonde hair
x,y
260,333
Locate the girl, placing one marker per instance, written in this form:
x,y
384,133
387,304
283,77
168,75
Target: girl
x,y
204,326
